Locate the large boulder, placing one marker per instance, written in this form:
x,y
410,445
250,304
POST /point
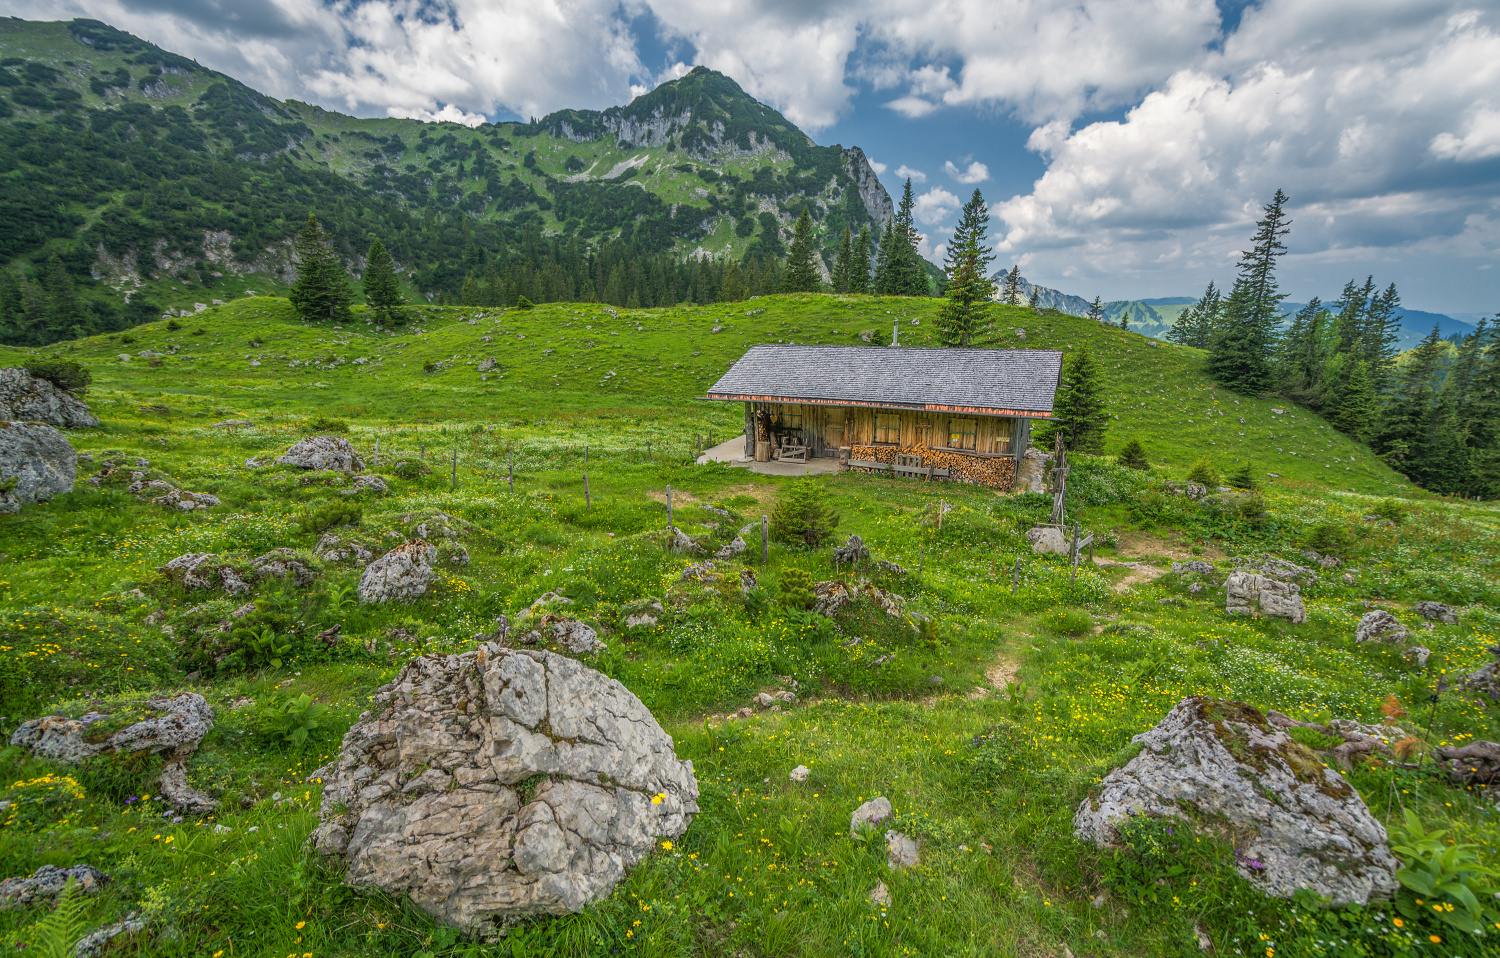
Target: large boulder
x,y
1248,593
400,575
36,464
1379,625
1436,611
1297,823
48,882
25,398
172,726
1048,540
501,783
323,452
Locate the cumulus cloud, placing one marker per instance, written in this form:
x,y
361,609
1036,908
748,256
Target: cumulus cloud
x,y
1481,139
879,168
904,172
975,172
934,206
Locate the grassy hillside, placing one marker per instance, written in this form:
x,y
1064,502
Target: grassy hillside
x,y
628,364
985,727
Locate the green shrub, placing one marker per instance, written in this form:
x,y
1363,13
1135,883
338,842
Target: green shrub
x,y
802,517
65,374
794,589
1329,538
410,469
1000,753
325,515
291,720
173,325
1069,622
523,303
1243,477
1393,509
1443,882
1252,507
323,424
1204,473
1133,456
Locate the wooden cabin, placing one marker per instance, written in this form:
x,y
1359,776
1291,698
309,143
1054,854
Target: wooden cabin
x,y
961,414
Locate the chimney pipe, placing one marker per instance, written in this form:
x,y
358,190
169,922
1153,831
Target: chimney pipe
x,y
896,333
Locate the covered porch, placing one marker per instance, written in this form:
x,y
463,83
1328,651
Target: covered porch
x,y
733,453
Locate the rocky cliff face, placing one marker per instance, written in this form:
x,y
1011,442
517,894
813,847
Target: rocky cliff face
x,y
877,201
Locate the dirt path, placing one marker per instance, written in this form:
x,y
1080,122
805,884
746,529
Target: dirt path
x,y
1139,573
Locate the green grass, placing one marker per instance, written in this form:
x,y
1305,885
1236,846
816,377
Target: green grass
x,y
989,783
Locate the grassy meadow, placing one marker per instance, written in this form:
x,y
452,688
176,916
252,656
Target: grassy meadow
x,y
985,725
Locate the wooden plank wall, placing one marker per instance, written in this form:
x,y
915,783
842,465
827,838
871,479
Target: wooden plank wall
x,y
826,428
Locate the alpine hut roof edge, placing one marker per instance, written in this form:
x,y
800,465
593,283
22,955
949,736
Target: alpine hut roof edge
x,y
994,382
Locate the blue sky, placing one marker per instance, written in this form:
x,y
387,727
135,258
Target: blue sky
x,y
1125,146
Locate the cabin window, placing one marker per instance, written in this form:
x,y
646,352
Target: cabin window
x,y
888,428
962,433
791,417
1005,432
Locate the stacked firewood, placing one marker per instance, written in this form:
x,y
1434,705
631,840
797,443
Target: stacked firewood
x,y
995,473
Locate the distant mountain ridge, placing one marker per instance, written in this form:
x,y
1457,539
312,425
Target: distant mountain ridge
x,y
1155,317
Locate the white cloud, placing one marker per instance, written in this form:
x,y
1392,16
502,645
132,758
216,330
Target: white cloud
x,y
1480,141
975,172
904,172
936,205
448,114
879,168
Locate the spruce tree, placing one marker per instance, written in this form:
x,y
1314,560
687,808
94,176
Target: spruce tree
x,y
1125,319
1350,322
1481,419
843,264
382,286
801,274
321,291
1350,403
1034,299
1300,371
899,271
1010,293
964,319
802,517
1382,329
1196,325
859,266
1240,352
1080,413
1096,310
65,316
1406,418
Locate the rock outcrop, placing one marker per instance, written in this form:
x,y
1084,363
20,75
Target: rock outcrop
x,y
1300,824
37,464
501,783
1031,472
1048,540
323,452
1379,625
1249,593
400,575
24,398
48,882
172,726
1436,612
204,570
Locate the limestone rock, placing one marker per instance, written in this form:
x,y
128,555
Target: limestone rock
x,y
1246,593
830,596
400,575
1031,474
682,542
1486,679
49,882
642,614
734,548
1379,625
1477,763
323,452
93,944
174,787
1436,611
336,548
501,783
1047,540
184,501
1417,655
852,552
176,725
204,570
880,895
1196,567
283,563
1302,825
37,464
575,636
24,398
799,774
360,484
748,581
873,812
900,851
1283,571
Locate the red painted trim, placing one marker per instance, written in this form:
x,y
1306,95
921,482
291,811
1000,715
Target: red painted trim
x,y
926,407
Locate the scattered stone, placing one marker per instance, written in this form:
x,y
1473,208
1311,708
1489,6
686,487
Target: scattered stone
x,y
1246,593
1380,626
501,783
360,484
1486,679
852,552
1195,588
1477,763
1284,571
184,501
485,365
1436,611
748,581
25,398
93,944
400,575
873,812
800,773
175,726
453,554
282,563
880,895
1349,579
37,464
1031,473
336,548
682,542
323,452
1417,655
1048,540
770,699
49,882
830,596
576,636
901,851
699,572
1303,826
890,569
204,570
643,614
734,548
1196,567
174,787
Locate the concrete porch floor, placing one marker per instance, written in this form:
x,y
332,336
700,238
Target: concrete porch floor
x,y
733,452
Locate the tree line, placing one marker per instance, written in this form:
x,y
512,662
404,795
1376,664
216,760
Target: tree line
x,y
1434,418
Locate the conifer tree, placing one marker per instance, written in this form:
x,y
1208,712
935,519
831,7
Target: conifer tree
x,y
65,314
321,291
382,286
843,264
899,270
1079,413
802,517
1402,433
1096,310
801,274
1350,403
1011,290
1125,319
733,289
859,266
1197,324
1350,322
1240,352
1301,363
1034,299
964,319
1382,328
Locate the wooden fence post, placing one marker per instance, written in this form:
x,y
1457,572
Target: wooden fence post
x,y
455,468
587,502
1015,577
765,546
921,559
376,463
669,507
424,451
510,471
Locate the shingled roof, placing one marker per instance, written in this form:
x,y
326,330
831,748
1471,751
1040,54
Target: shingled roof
x,y
994,382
